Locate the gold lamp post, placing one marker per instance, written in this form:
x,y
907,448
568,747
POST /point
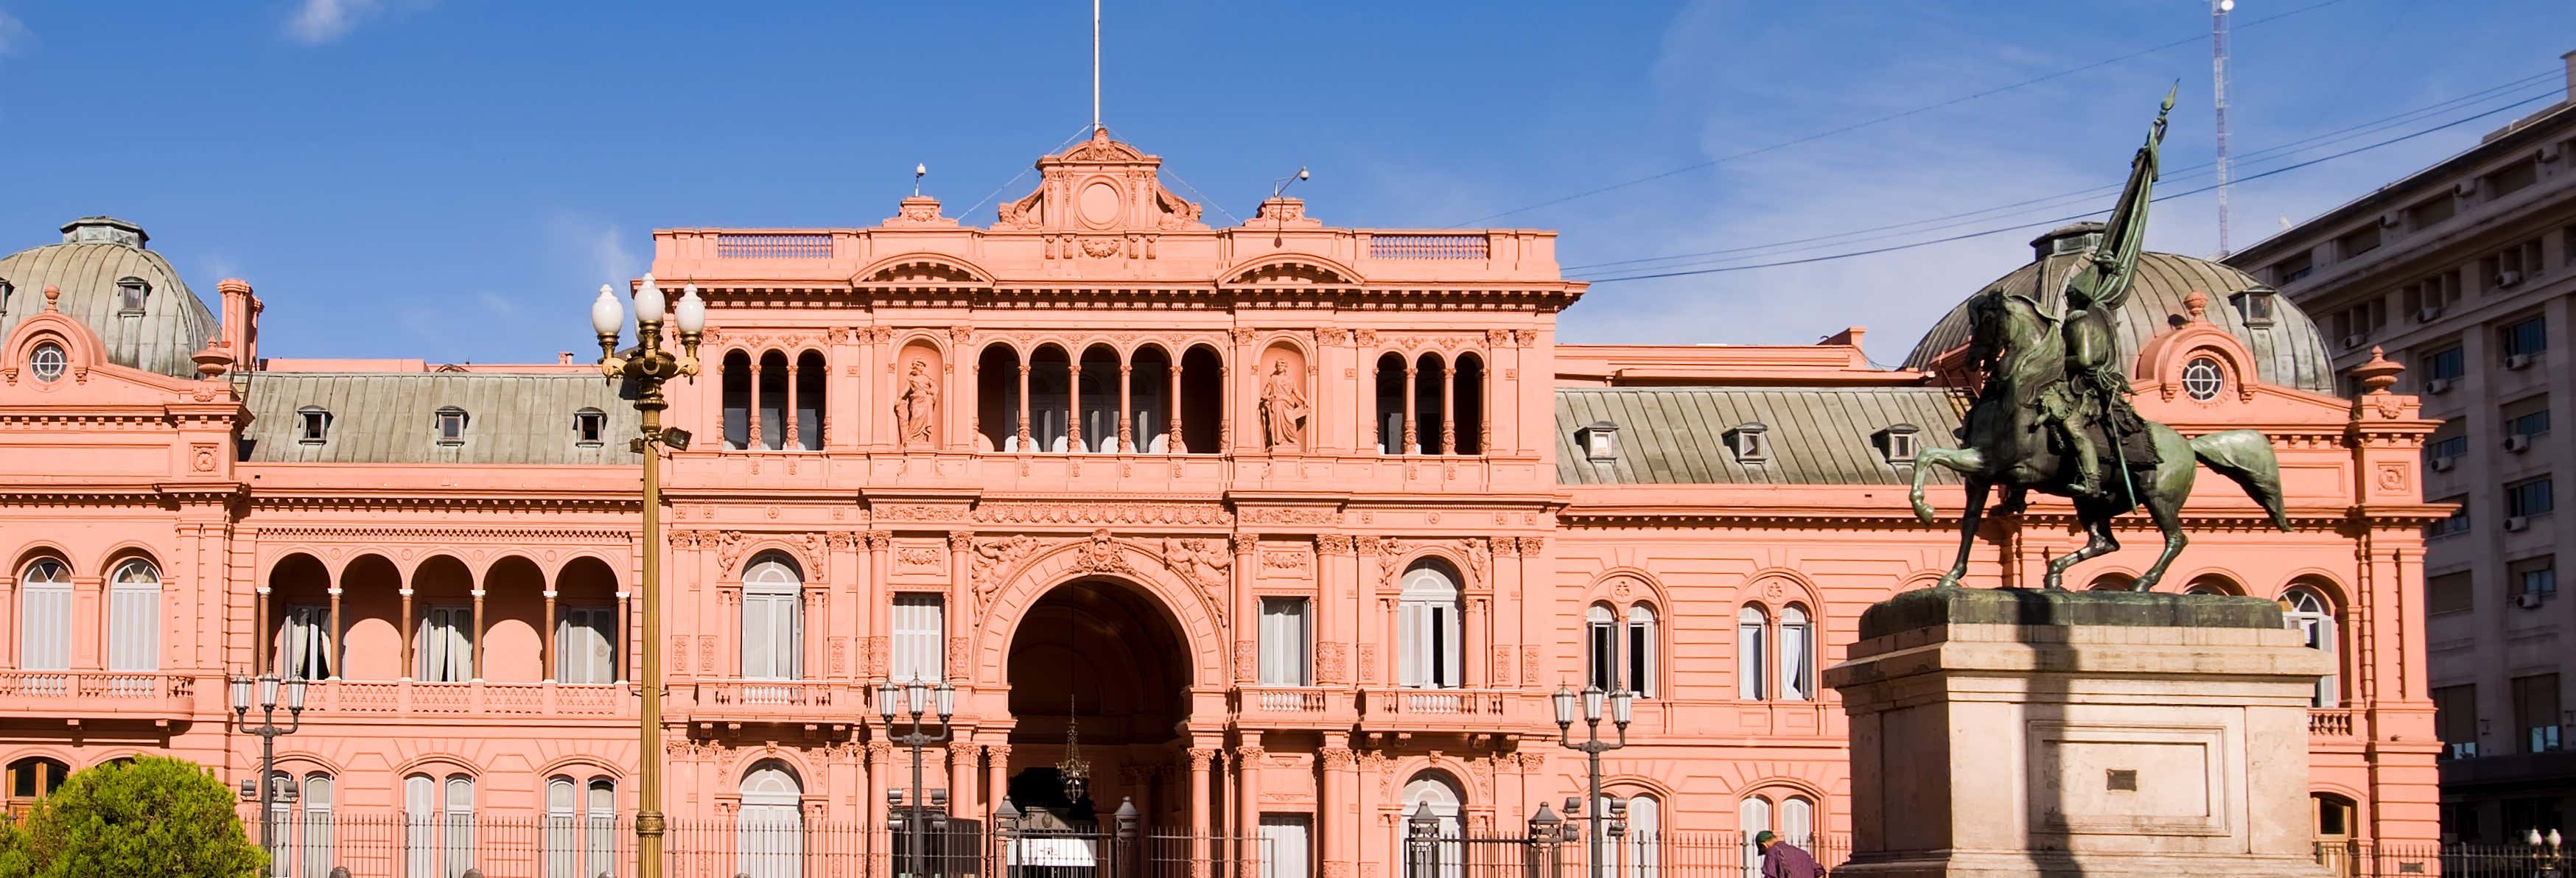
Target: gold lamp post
x,y
649,367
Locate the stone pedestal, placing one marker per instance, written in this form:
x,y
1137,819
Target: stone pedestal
x,y
2095,734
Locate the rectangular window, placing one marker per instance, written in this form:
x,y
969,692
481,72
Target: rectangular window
x,y
2447,364
2426,299
1429,658
129,296
2448,448
1286,843
2427,213
920,630
442,653
316,427
451,427
1601,639
2455,720
2293,268
134,629
304,642
1285,638
2359,241
2535,712
589,427
2456,522
2450,592
45,625
1752,670
1641,652
2535,576
2511,178
586,645
2529,497
2527,417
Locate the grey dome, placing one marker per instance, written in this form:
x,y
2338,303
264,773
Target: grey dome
x,y
2290,352
99,255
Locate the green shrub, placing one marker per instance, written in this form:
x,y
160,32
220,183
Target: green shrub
x,y
150,816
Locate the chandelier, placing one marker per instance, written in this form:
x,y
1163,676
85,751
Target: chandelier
x,y
1075,769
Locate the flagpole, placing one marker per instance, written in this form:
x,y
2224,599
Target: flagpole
x,y
1095,65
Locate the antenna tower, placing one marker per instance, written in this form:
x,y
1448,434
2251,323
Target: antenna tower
x,y
2218,10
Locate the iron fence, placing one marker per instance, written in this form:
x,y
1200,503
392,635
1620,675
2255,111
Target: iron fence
x,y
1632,854
2368,859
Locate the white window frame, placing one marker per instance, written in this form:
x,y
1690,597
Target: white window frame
x,y
45,618
1797,662
304,642
2309,613
920,638
1641,646
134,617
1287,642
314,831
1428,629
48,361
773,619
769,828
442,651
1753,655
586,644
1601,636
562,828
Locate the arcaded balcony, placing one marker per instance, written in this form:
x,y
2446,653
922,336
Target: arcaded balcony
x,y
72,696
326,700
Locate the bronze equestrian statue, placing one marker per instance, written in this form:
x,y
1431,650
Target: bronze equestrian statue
x,y
2053,413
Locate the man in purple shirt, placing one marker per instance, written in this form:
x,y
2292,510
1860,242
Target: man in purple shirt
x,y
1781,859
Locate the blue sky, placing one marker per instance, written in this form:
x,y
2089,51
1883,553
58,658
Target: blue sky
x,y
445,179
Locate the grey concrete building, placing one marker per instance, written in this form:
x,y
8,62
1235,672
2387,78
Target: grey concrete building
x,y
2465,272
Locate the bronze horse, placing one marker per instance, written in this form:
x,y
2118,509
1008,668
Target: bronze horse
x,y
2006,444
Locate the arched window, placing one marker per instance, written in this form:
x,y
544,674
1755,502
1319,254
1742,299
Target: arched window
x,y
1100,383
997,397
134,621
438,825
563,857
1440,793
456,803
736,378
1468,404
1050,394
599,844
31,780
2211,585
1390,404
810,376
281,811
1797,655
1427,612
47,361
1601,641
2113,582
316,826
1641,650
45,622
1752,818
2308,613
1430,382
1150,388
1202,401
770,827
1752,649
769,398
1798,821
1643,857
773,623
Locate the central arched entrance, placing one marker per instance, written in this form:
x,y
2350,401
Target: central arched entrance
x,y
1108,654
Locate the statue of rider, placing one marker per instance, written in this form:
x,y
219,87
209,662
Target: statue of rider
x,y
2092,400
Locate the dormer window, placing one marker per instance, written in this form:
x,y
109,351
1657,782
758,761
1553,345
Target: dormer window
x,y
5,290
451,426
130,294
313,425
47,361
1897,442
1600,441
589,426
2256,306
1752,443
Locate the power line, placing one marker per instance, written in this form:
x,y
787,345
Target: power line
x,y
1879,120
2000,230
2180,173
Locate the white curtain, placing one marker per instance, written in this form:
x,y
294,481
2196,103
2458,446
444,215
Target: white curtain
x,y
770,832
304,642
1797,655
1284,845
1284,642
1797,822
1752,679
920,634
420,825
2314,620
281,814
443,651
1601,640
1641,650
45,622
563,860
600,843
1644,854
134,618
1427,623
317,826
773,624
586,646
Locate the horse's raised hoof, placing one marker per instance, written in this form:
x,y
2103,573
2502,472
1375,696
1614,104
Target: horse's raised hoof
x,y
1923,512
1949,580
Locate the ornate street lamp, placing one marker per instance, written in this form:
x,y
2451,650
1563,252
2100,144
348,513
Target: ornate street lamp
x,y
268,732
648,368
2548,855
915,697
1620,710
1075,770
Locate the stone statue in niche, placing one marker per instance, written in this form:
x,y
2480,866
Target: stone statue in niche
x,y
917,408
1283,408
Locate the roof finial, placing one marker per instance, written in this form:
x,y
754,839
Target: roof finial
x,y
52,293
2197,303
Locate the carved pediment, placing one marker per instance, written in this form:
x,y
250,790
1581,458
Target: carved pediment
x,y
1098,186
923,268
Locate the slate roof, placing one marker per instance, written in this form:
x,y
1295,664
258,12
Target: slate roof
x,y
392,418
174,323
2291,352
1818,436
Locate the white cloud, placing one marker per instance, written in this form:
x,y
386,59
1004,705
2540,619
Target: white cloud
x,y
321,21
13,33
592,249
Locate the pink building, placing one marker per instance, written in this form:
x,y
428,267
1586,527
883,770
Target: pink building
x,y
1301,522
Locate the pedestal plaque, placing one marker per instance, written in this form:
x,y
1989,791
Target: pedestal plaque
x,y
2096,734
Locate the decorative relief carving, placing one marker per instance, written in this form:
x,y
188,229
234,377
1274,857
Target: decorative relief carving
x,y
1337,758
729,545
1247,656
1532,547
877,540
992,559
1328,662
961,540
914,512
1502,666
1102,554
1368,663
1366,338
1205,563
1288,515
1285,561
920,559
1333,544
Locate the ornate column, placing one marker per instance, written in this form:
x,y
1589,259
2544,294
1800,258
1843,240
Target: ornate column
x,y
961,778
1410,443
997,776
1199,757
1172,411
260,648
1024,405
332,625
1338,817
1247,789
406,659
1225,396
1333,576
880,776
752,416
959,614
1126,390
546,645
880,606
1073,405
1448,406
1471,643
787,413
474,640
817,626
1247,618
